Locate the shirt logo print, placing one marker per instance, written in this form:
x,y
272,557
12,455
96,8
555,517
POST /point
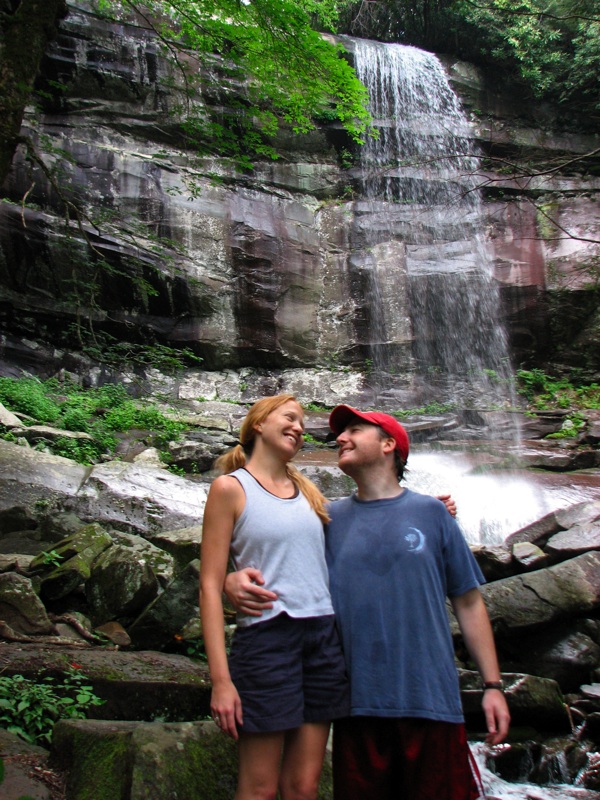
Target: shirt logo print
x,y
415,540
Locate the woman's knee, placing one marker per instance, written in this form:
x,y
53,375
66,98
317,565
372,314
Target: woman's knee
x,y
298,787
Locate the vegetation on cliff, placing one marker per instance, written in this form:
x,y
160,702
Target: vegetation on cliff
x,y
550,47
267,53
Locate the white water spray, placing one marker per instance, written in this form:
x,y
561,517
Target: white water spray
x,y
419,187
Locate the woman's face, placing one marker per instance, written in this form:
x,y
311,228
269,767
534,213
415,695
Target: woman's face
x,y
283,429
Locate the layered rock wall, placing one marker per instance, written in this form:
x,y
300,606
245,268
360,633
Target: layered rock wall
x,y
252,269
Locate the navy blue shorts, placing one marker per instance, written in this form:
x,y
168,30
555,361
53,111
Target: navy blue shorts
x,y
289,671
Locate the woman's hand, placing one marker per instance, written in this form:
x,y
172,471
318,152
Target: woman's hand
x,y
226,708
449,502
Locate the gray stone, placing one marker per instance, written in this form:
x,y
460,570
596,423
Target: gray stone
x,y
495,562
170,613
183,543
20,607
134,686
120,585
147,761
139,498
159,560
529,556
539,598
566,653
578,539
8,419
529,698
36,479
76,554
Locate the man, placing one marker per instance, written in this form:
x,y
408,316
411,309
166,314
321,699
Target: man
x,y
394,556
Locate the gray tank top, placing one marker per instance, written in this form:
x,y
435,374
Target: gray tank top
x,y
285,540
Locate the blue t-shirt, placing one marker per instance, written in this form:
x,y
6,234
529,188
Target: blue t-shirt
x,y
392,564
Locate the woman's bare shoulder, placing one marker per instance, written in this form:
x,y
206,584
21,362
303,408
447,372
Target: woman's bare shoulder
x,y
226,486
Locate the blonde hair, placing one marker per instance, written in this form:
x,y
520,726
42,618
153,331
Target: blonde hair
x,y
238,456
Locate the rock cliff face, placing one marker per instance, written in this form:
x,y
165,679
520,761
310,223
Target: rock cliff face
x,y
254,269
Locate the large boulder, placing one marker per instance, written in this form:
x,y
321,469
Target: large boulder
x,y
21,608
170,613
524,602
135,686
134,498
76,555
150,761
120,585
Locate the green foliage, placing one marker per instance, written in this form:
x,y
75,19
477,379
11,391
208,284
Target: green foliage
x,y
552,47
544,392
50,558
28,396
570,427
431,409
266,56
31,708
100,412
553,44
105,349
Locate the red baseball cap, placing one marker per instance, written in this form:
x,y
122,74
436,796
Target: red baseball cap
x,y
341,416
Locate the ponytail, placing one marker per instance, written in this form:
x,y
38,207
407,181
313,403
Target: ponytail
x,y
238,456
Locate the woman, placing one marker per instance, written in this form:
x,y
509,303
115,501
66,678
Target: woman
x,y
285,679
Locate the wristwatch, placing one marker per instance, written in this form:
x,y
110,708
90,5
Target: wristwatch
x,y
493,685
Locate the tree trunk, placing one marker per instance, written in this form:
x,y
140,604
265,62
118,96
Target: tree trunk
x,y
26,27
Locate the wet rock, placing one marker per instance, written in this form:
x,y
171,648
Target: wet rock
x,y
120,585
578,539
115,632
16,518
151,457
542,424
539,598
566,653
139,499
331,481
37,479
20,606
591,435
183,544
129,760
161,562
560,460
529,556
592,692
15,562
135,686
23,763
8,419
40,433
169,614
199,451
495,562
76,555
531,699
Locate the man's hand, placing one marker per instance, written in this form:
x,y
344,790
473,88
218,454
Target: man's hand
x,y
497,716
449,502
245,592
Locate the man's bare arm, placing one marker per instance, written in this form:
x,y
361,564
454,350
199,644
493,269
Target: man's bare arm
x,y
476,629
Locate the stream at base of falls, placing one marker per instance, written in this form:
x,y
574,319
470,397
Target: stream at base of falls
x,y
498,789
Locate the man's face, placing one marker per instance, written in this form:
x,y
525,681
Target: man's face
x,y
360,445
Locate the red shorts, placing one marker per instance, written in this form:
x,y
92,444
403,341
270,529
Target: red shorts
x,y
379,758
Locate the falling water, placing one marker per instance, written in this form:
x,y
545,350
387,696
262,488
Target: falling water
x,y
418,192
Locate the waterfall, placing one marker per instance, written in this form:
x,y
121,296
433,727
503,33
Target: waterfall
x,y
419,215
